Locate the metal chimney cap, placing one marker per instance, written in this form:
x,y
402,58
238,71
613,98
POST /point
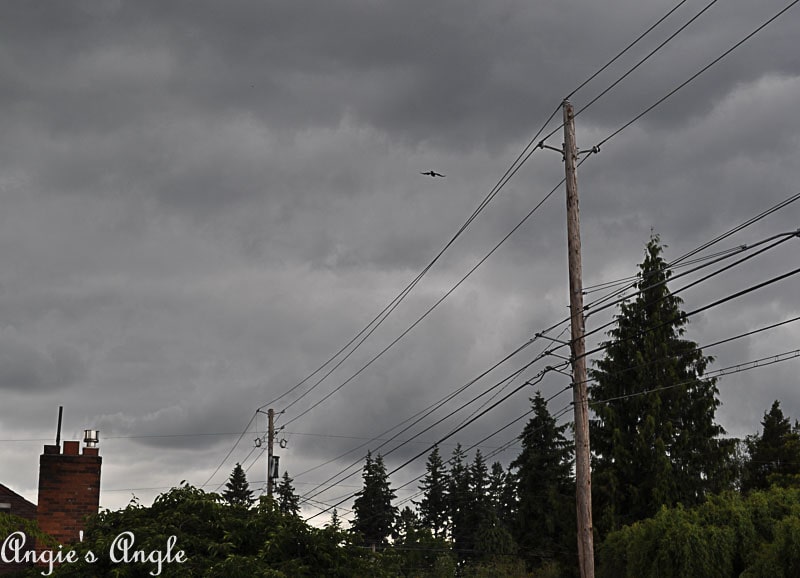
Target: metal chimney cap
x,y
91,437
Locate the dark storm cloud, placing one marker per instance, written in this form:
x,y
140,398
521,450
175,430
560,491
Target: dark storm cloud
x,y
202,202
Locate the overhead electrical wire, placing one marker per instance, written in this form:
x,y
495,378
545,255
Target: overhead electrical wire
x,y
343,471
783,237
624,50
631,279
533,381
422,414
761,362
510,172
437,303
646,58
717,302
593,305
711,375
725,235
761,285
737,368
704,308
503,448
522,156
488,456
497,246
698,73
508,384
703,347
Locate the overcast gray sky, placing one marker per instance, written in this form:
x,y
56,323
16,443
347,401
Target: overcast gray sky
x,y
202,202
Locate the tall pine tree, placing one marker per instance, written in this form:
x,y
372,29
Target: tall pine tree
x,y
654,436
238,492
288,500
433,505
374,512
545,522
459,498
502,493
774,455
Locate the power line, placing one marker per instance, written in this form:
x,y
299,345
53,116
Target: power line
x,y
703,347
698,73
422,414
624,50
782,238
524,158
685,315
646,58
510,172
788,236
687,81
475,267
763,362
538,379
436,304
314,492
677,262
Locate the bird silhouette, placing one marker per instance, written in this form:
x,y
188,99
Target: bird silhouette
x,y
433,174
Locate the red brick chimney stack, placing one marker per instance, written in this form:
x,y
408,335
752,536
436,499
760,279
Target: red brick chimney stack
x,y
69,489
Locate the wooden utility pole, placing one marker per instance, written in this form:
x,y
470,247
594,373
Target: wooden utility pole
x,y
583,474
270,442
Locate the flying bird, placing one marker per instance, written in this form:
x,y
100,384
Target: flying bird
x,y
433,174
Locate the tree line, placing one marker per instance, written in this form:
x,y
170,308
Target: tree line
x,y
672,495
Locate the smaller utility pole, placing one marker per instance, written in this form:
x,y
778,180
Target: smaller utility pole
x,y
583,475
270,442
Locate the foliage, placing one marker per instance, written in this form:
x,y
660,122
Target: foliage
x,y
757,535
774,456
545,525
654,436
222,540
238,492
374,512
9,523
497,567
418,549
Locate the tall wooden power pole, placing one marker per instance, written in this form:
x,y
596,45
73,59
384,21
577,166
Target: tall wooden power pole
x,y
583,475
270,443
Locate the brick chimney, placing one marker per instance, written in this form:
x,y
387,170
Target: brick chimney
x,y
69,489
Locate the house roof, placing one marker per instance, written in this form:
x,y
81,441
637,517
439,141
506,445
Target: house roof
x,y
12,503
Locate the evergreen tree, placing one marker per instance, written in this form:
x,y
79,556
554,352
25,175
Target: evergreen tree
x,y
654,436
502,493
479,515
545,522
288,500
415,545
374,513
407,526
459,500
336,522
238,492
433,505
774,455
